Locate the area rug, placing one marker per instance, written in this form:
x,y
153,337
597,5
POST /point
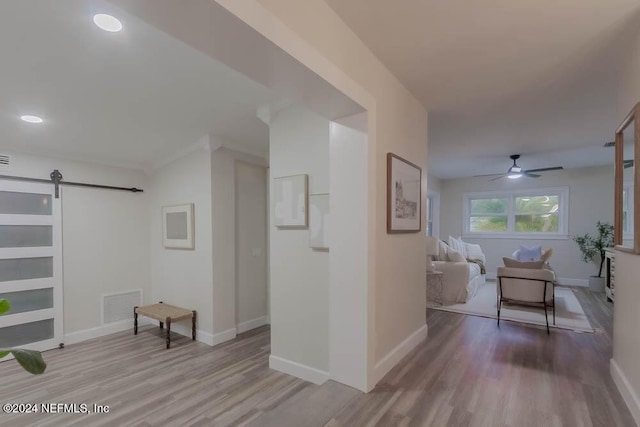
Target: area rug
x,y
569,312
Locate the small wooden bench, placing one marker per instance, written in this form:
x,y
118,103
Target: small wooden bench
x,y
164,313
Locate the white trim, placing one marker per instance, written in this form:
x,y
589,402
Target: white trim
x,y
563,281
299,370
27,284
200,144
626,390
27,317
510,195
33,252
201,336
516,236
99,331
435,211
252,324
397,354
9,219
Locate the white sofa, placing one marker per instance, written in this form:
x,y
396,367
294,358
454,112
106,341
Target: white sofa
x,y
460,279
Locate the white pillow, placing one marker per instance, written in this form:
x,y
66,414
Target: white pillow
x,y
529,254
458,245
442,250
455,256
474,252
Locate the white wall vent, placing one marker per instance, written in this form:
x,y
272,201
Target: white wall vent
x,y
119,306
5,162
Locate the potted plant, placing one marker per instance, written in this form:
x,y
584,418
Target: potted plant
x,y
592,248
30,360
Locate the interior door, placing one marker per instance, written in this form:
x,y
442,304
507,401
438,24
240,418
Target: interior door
x,y
30,265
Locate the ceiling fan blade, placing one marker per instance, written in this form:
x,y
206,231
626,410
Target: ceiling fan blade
x,y
488,174
498,177
555,168
628,164
532,175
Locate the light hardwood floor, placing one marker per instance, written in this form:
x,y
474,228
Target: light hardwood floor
x,y
468,372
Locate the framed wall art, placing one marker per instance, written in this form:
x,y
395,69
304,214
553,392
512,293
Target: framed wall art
x,y
177,226
319,221
404,195
290,195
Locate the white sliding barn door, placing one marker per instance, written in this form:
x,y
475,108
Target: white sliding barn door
x,y
30,265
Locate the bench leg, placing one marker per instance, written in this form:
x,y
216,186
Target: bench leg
x,y
193,326
135,321
168,320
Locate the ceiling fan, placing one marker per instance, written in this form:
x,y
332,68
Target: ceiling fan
x,y
515,171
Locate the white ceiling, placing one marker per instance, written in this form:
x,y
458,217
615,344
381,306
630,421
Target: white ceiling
x,y
131,98
502,77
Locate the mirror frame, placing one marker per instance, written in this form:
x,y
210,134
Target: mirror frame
x,y
632,119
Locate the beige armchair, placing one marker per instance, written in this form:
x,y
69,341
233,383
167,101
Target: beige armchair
x,y
526,286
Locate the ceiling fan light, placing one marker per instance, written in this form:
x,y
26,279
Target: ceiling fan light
x,y
514,175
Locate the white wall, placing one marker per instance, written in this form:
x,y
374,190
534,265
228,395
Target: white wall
x,y
626,340
105,237
349,294
312,33
184,277
433,184
299,144
251,246
590,201
223,199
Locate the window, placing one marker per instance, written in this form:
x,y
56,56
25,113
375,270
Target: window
x,y
536,213
433,211
627,211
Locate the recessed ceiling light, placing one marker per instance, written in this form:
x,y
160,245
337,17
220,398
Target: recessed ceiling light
x,y
107,22
31,119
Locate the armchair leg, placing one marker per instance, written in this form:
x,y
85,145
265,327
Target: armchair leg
x,y
554,309
499,306
546,317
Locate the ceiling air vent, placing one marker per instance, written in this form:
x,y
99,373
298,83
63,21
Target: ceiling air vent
x,y
4,162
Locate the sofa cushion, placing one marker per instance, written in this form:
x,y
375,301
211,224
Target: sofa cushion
x,y
443,248
514,263
455,256
458,245
474,252
529,254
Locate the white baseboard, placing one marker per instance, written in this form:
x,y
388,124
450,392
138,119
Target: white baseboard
x,y
299,370
394,356
201,336
252,324
224,336
626,390
99,331
564,281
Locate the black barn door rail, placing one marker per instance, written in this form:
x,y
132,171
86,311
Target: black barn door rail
x,y
56,179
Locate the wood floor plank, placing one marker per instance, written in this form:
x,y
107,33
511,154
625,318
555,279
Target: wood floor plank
x,y
468,372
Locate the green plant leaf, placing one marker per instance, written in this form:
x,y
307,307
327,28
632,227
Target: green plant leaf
x,y
4,306
30,360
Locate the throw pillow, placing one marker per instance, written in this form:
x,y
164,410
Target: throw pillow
x,y
474,252
529,254
442,250
546,255
455,256
458,245
514,263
